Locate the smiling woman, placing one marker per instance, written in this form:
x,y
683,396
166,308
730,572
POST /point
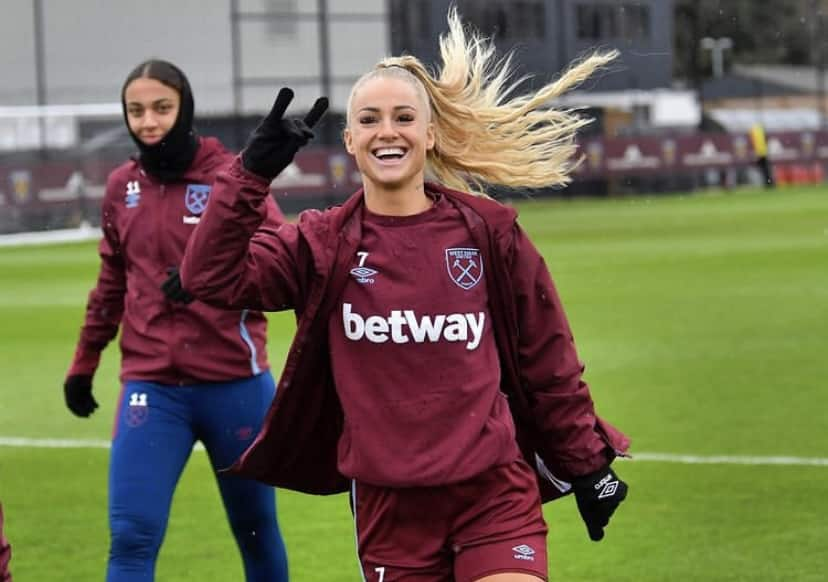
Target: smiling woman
x,y
433,373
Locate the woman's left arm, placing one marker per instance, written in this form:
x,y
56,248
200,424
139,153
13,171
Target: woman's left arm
x,y
574,441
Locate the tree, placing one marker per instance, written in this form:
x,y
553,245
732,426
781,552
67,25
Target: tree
x,y
767,32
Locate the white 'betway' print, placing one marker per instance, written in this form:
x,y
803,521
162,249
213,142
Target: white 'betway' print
x,y
402,326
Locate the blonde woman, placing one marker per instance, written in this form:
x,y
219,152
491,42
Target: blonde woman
x,y
433,372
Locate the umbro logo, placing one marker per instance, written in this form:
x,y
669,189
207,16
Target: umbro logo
x,y
608,490
524,552
608,486
362,273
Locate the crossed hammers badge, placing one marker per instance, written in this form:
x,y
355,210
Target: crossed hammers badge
x,y
465,266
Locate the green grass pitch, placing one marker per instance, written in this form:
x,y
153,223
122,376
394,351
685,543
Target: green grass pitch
x,y
703,322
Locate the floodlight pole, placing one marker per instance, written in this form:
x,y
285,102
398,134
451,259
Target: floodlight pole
x,y
235,67
40,66
717,47
324,47
820,49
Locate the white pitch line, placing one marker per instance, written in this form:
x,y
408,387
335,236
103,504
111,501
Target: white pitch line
x,y
53,443
728,459
25,442
83,233
6,441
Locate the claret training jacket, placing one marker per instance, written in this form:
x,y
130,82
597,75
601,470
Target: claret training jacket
x,y
146,224
557,428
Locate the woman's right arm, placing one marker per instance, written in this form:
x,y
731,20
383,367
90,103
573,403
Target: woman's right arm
x,y
105,306
234,259
237,256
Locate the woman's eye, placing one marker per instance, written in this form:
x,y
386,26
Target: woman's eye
x,y
367,120
406,118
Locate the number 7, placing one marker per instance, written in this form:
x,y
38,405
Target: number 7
x,y
380,569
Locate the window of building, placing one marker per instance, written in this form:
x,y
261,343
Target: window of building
x,y
509,20
605,20
410,22
636,21
597,21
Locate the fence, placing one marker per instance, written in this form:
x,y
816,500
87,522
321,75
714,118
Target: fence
x,y
62,190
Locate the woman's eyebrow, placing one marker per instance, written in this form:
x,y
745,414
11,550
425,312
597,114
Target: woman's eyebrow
x,y
396,107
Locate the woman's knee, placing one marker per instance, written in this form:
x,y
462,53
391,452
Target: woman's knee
x,y
135,536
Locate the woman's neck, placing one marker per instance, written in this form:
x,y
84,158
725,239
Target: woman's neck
x,y
396,202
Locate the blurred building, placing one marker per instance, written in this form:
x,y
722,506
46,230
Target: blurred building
x,y
63,64
779,97
547,35
237,52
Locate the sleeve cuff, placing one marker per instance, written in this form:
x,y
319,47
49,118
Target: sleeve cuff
x,y
239,172
84,363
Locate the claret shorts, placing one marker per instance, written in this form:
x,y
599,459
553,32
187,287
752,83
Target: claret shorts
x,y
461,532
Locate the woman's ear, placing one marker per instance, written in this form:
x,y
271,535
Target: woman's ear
x,y
431,136
347,138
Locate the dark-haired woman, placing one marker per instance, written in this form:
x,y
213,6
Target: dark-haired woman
x,y
189,372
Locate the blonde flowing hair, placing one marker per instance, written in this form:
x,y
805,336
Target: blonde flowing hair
x,y
484,135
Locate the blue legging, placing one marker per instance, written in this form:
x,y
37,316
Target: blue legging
x,y
156,427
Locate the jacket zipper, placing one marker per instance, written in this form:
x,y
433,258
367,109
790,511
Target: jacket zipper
x,y
161,223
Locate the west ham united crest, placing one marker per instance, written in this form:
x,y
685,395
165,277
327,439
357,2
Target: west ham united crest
x,y
465,267
196,197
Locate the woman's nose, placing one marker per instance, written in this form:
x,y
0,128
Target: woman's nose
x,y
149,120
386,128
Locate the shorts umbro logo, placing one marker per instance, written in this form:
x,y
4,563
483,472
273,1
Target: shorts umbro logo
x,y
524,552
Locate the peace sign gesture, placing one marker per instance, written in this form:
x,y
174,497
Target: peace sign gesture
x,y
275,141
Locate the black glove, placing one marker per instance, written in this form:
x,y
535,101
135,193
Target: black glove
x,y
172,289
272,145
78,393
598,496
